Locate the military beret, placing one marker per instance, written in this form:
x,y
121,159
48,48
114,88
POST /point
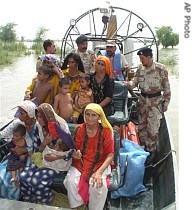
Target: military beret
x,y
146,51
81,38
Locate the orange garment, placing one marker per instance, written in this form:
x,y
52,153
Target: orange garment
x,y
107,64
84,97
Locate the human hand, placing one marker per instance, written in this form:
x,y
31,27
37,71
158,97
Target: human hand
x,y
96,179
27,96
48,139
77,154
51,157
164,108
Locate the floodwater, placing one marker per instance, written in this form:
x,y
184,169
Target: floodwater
x,y
15,78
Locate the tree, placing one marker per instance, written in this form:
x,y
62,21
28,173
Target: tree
x,y
166,37
8,33
38,41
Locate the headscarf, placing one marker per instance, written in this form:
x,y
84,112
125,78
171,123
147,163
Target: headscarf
x,y
29,107
107,63
55,125
98,109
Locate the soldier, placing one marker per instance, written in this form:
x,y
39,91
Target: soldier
x,y
87,56
152,79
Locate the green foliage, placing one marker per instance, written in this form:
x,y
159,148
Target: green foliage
x,y
10,50
166,37
39,39
8,33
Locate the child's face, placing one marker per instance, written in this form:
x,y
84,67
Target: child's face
x,y
16,136
41,76
65,89
84,83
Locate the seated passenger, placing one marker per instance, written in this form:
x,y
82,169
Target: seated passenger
x,y
83,97
86,180
36,182
41,88
72,68
103,85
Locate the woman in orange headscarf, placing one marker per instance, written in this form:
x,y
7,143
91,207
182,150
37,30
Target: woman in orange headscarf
x,y
103,85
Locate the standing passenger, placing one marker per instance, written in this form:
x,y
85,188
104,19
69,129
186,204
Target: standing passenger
x,y
86,55
63,103
152,79
119,65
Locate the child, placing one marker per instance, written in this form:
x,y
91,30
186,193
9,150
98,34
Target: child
x,y
16,162
41,89
60,148
83,97
63,103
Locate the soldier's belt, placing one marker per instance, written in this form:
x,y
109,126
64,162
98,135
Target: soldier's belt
x,y
151,95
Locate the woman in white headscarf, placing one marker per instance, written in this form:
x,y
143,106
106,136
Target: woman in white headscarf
x,y
86,181
26,117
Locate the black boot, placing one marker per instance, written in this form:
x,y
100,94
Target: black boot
x,y
150,159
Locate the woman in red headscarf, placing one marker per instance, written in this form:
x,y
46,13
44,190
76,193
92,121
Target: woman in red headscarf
x,y
103,85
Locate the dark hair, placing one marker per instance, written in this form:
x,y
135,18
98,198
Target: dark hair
x,y
47,43
21,129
64,81
62,145
75,57
46,69
85,76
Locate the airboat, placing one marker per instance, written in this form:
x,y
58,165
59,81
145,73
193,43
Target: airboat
x,y
131,33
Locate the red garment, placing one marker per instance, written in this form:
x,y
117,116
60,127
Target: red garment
x,y
90,152
88,157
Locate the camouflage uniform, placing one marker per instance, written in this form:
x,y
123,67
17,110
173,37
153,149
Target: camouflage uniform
x,y
151,80
87,59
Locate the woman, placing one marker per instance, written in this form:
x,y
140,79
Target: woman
x,y
86,178
26,117
103,85
36,182
72,68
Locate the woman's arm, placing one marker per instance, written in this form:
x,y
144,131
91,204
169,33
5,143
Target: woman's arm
x,y
97,176
47,140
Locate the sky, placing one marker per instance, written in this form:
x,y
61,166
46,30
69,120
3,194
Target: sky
x,y
55,15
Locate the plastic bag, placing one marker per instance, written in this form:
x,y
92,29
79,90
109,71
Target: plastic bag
x,y
132,159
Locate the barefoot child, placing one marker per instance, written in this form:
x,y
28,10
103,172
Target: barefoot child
x,y
63,102
17,162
